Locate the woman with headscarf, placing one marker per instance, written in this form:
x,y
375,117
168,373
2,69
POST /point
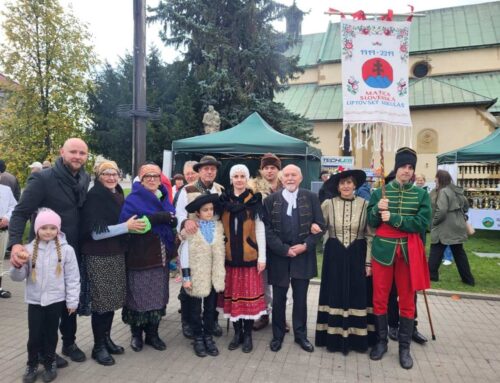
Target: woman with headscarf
x,y
344,322
245,257
103,251
147,257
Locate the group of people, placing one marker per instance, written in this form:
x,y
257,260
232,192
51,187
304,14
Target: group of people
x,y
95,251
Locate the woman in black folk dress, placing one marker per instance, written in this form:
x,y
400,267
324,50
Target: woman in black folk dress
x,y
345,315
103,251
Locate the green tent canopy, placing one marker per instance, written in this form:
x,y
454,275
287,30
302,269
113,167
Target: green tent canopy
x,y
485,150
246,143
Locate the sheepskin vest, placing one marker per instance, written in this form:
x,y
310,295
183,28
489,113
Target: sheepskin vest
x,y
193,190
206,261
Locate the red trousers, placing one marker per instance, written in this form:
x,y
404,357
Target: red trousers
x,y
383,276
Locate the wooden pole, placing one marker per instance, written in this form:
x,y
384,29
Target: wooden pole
x,y
382,165
429,315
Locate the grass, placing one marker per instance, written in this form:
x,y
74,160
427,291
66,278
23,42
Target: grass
x,y
486,271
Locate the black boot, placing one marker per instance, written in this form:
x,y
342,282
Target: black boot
x,y
185,311
210,346
101,354
238,335
199,347
136,341
417,336
393,333
152,337
111,346
31,373
404,337
50,372
380,347
247,336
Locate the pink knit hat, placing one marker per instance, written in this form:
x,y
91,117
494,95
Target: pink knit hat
x,y
47,216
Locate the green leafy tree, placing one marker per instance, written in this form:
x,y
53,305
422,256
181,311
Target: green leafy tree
x,y
235,56
47,52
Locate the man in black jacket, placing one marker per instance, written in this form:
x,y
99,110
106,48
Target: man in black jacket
x,y
289,216
62,188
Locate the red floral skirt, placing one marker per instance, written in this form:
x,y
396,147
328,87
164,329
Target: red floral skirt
x,y
243,296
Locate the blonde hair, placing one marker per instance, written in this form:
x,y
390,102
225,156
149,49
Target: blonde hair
x,y
35,256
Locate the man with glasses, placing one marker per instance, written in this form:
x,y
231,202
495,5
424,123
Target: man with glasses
x,y
207,171
62,188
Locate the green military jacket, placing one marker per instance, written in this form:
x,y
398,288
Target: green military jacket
x,y
410,209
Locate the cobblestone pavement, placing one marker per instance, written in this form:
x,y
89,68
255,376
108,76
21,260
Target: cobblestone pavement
x,y
467,349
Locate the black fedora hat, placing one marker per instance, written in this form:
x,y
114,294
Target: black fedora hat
x,y
205,161
201,200
332,184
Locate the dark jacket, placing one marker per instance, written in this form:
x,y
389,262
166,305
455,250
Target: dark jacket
x,y
280,266
10,180
449,206
44,189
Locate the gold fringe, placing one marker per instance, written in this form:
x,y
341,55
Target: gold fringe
x,y
345,313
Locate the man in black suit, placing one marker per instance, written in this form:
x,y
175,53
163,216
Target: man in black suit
x,y
289,216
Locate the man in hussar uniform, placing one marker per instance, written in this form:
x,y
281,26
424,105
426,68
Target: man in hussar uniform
x,y
398,253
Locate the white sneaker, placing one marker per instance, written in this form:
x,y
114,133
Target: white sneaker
x,y
447,262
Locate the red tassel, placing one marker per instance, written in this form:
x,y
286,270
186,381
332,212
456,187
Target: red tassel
x,y
410,18
333,11
359,15
389,15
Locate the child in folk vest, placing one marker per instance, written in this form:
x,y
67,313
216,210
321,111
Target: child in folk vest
x,y
52,279
202,262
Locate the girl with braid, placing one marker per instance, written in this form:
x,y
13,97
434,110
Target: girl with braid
x,y
50,269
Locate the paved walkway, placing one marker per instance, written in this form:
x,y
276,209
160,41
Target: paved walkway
x,y
467,349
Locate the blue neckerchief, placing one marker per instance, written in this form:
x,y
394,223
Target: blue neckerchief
x,y
207,229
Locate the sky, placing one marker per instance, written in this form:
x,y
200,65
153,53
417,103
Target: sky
x,y
111,21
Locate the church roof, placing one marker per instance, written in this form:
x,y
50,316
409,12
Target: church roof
x,y
456,28
324,103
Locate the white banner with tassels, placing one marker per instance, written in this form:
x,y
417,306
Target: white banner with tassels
x,y
375,82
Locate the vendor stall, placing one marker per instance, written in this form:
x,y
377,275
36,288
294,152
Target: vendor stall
x,y
478,172
246,143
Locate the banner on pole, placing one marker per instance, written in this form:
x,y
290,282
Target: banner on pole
x,y
375,82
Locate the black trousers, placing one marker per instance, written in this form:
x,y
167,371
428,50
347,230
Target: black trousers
x,y
185,311
101,324
393,308
67,327
42,329
436,256
299,311
198,325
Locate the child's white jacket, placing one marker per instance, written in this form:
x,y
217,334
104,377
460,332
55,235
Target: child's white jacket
x,y
49,288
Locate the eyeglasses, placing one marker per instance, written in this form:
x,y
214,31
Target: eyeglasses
x,y
110,175
150,177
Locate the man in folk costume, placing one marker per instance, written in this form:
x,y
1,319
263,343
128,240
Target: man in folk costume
x,y
398,253
289,216
266,183
207,171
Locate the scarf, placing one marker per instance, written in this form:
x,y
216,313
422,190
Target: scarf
x,y
291,199
101,209
142,202
78,184
202,188
207,229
